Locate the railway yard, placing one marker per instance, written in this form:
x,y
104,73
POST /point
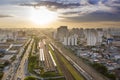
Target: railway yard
x,y
53,61
46,59
47,62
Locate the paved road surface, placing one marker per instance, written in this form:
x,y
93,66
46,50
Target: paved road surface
x,y
22,69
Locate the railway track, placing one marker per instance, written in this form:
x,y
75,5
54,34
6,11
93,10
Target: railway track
x,y
51,67
64,69
48,64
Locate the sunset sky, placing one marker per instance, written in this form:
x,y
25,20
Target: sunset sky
x,y
53,13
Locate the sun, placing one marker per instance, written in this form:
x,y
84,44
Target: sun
x,y
42,15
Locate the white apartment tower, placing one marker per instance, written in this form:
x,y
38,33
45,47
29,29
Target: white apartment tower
x,y
70,40
91,36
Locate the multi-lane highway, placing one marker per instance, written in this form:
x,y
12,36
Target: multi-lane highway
x,y
9,74
22,72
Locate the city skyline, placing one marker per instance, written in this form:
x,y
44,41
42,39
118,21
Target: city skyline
x,y
65,51
73,13
59,39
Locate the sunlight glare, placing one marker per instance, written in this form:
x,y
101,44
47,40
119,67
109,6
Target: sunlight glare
x,y
42,15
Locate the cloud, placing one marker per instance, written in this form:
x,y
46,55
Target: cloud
x,y
72,4
94,10
54,5
5,16
93,17
81,10
68,4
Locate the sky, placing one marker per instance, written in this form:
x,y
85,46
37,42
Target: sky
x,y
73,13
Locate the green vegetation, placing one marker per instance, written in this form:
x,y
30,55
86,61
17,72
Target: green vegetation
x,y
32,63
1,75
97,66
100,68
36,39
111,76
50,74
6,63
25,47
1,70
70,67
2,65
103,70
33,49
30,78
58,67
58,79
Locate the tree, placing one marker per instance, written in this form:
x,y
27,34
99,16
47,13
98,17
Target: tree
x,y
6,63
30,78
101,68
111,76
